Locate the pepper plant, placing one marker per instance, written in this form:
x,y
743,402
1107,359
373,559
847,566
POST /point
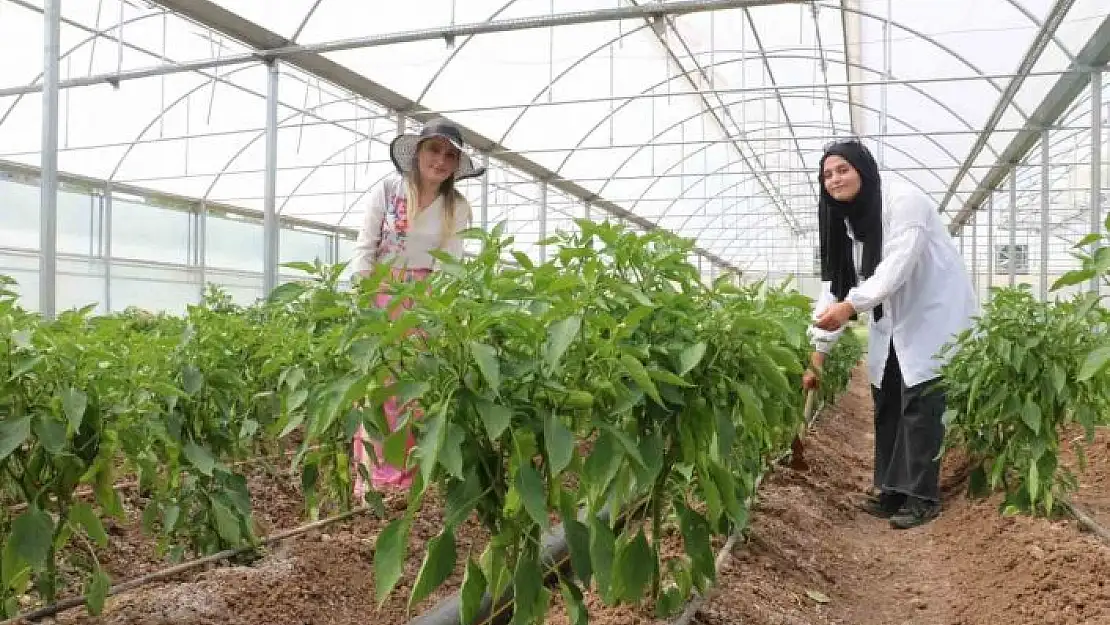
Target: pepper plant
x,y
1015,381
606,381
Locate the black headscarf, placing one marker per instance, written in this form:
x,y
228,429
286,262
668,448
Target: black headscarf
x,y
864,213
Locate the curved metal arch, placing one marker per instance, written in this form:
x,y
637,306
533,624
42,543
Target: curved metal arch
x,y
847,63
90,38
765,96
456,51
315,168
737,241
251,142
914,32
735,184
161,114
524,110
261,134
734,162
927,39
725,249
1021,8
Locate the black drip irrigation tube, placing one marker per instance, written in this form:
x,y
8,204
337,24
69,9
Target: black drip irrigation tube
x,y
555,560
173,571
812,413
1087,521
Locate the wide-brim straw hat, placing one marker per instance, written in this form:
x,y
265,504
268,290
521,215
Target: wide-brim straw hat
x,y
403,149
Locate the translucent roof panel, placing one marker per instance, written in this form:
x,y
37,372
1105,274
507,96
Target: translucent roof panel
x,y
709,123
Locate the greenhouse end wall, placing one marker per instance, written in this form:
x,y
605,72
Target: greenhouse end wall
x,y
118,250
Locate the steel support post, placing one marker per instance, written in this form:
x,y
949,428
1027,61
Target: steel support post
x,y
48,215
1046,189
1012,255
1096,163
543,220
975,281
106,238
991,251
485,191
202,247
270,225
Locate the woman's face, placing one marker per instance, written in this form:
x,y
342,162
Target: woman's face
x,y
841,180
437,160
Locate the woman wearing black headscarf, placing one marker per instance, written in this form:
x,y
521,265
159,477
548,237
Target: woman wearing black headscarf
x,y
917,290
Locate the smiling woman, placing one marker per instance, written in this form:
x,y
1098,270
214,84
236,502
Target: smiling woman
x,y
409,216
920,297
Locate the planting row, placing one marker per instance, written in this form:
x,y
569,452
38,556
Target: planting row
x,y
681,392
1028,373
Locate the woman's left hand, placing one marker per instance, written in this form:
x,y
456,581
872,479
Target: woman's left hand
x,y
835,316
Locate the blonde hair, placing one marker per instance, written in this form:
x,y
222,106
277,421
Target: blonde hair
x,y
451,197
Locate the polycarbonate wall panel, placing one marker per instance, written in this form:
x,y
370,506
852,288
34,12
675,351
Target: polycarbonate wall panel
x,y
23,267
232,242
80,283
148,287
145,232
303,246
19,214
154,247
244,288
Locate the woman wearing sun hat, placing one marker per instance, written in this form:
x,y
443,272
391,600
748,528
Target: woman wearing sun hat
x,y
409,214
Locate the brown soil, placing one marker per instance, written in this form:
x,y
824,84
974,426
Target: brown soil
x,y
321,577
808,544
324,576
1093,495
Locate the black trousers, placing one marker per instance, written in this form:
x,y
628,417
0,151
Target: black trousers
x,y
909,431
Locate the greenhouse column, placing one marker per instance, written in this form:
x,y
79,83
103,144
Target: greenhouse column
x,y
106,238
270,220
543,220
1096,162
48,228
485,191
990,243
1045,189
975,281
1011,256
202,242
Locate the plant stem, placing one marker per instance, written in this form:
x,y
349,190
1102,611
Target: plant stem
x,y
658,491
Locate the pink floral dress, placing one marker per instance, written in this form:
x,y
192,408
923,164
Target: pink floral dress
x,y
394,227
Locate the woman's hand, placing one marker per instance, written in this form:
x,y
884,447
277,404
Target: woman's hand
x,y
835,316
810,380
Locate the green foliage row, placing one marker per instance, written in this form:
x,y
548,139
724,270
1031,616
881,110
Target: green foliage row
x,y
170,400
1027,371
606,379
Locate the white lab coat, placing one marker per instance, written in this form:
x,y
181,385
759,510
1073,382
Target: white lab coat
x,y
926,292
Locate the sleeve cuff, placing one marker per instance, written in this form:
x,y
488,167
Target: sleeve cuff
x,y
858,302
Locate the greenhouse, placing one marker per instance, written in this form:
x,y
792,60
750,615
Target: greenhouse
x,y
181,125
182,188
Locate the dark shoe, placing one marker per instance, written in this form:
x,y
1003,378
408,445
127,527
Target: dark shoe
x,y
884,506
916,512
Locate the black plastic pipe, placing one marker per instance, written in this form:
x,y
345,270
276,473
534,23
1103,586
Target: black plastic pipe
x,y
554,560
